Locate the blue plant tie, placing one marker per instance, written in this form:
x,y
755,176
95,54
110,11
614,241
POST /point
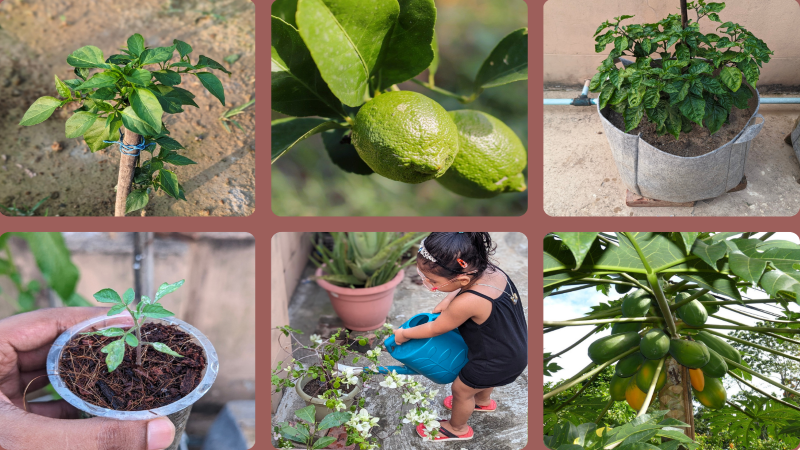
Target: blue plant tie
x,y
132,150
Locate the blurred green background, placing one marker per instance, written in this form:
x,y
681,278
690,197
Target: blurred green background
x,y
306,183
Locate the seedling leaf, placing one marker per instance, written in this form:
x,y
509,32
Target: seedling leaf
x,y
128,296
131,340
116,310
164,349
107,296
165,289
115,352
108,332
155,311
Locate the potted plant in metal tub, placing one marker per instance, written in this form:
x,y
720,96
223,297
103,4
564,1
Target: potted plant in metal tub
x,y
132,368
696,92
360,274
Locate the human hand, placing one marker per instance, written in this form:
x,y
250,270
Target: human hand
x,y
25,340
399,339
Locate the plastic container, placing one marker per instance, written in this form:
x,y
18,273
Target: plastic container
x,y
320,410
439,358
177,412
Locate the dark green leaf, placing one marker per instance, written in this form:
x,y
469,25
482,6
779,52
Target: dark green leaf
x,y
136,44
87,57
167,143
212,83
53,259
712,85
136,200
633,116
119,60
651,98
578,243
168,77
673,121
104,94
345,41
323,442
107,296
40,110
285,10
597,79
182,47
731,77
79,123
715,117
334,419
659,113
163,348
205,61
408,51
115,352
606,94
694,108
750,70
740,98
100,80
182,64
291,130
156,55
147,107
177,160
140,77
620,44
344,154
306,414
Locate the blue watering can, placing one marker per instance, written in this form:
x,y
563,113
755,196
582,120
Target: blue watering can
x,y
439,358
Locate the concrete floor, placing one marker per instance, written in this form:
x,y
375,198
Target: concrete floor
x,y
581,179
506,429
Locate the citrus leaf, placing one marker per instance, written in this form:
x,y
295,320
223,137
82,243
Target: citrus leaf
x,y
344,155
286,11
102,131
62,88
408,51
178,160
140,77
136,200
182,47
156,55
205,61
79,123
508,61
40,110
169,182
286,133
167,77
133,122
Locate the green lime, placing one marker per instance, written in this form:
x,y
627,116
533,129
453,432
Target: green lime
x,y
490,158
405,136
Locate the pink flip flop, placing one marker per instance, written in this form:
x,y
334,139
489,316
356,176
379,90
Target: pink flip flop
x,y
492,407
445,435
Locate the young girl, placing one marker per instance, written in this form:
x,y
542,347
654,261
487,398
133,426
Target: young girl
x,y
485,307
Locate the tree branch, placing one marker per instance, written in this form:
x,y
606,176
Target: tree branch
x,y
573,345
760,347
599,368
752,386
652,389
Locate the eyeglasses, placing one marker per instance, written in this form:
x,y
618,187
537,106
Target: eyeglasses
x,y
430,286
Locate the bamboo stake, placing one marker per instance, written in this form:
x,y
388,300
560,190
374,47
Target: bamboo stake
x,y
127,164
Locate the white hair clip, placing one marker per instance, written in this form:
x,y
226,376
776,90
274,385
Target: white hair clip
x,y
424,252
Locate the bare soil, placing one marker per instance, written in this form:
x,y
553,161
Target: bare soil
x,y
697,142
162,379
36,162
316,387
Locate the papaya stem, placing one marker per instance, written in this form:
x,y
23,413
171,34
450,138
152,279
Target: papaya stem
x,y
766,236
592,372
588,368
641,255
577,323
750,344
687,300
559,292
603,281
783,338
636,282
764,319
651,390
738,302
573,345
729,327
663,304
608,313
676,287
603,413
752,386
758,375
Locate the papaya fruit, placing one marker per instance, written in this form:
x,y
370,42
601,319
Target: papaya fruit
x,y
691,354
636,304
608,347
693,313
617,387
697,379
711,309
713,394
620,328
716,367
655,344
719,345
629,365
634,395
622,288
645,376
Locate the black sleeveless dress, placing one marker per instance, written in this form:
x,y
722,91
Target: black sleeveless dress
x,y
497,348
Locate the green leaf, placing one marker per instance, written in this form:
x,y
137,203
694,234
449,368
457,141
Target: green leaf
x,y
100,80
53,260
306,414
166,288
141,77
155,311
344,155
102,131
107,296
131,340
334,419
168,77
286,11
136,200
578,243
169,182
715,117
651,98
167,143
291,130
714,282
40,110
633,116
134,123
115,353
345,39
104,94
635,96
740,98
147,107
712,85
435,61
182,47
156,55
136,44
212,83
606,94
178,160
731,77
508,62
163,348
205,61
659,113
87,57
109,332
750,70
694,108
128,296
673,121
688,240
323,442
79,123
620,44
409,49
62,88
749,269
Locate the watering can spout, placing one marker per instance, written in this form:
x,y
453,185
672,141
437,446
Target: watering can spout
x,y
401,370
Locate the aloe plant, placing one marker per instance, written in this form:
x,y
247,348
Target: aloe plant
x,y
364,259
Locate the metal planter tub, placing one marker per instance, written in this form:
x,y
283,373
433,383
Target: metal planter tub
x,y
653,173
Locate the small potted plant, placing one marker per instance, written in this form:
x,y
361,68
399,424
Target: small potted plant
x,y
334,397
360,274
134,367
689,85
124,95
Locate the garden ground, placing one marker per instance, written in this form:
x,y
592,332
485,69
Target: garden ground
x,y
36,162
581,179
506,429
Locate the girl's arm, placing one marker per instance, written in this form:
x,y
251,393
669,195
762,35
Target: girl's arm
x,y
457,313
446,302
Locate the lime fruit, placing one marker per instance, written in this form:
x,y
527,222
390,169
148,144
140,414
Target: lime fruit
x,y
490,158
405,136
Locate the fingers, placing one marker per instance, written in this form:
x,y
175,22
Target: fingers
x,y
58,409
23,430
32,330
33,380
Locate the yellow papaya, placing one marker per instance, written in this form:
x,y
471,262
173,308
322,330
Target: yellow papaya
x,y
634,395
697,379
645,376
713,394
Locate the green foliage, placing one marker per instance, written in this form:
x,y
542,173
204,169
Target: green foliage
x,y
698,78
233,112
364,259
756,422
146,308
14,210
125,93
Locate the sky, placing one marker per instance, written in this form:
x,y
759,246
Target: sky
x,y
575,304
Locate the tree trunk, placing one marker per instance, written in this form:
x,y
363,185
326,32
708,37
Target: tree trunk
x,y
677,395
127,164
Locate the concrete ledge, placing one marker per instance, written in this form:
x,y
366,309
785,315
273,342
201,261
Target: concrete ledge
x,y
234,428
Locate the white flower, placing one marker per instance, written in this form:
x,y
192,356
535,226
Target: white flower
x,y
374,353
389,383
316,339
388,325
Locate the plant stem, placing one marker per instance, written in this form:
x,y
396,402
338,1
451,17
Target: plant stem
x,y
750,344
752,386
577,394
676,287
663,304
766,236
127,164
758,375
460,98
763,319
735,406
641,254
603,413
687,300
602,281
559,292
636,282
573,345
594,371
729,327
586,369
651,319
783,338
652,389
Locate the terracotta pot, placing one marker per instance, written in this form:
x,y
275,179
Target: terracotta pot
x,y
362,309
319,404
